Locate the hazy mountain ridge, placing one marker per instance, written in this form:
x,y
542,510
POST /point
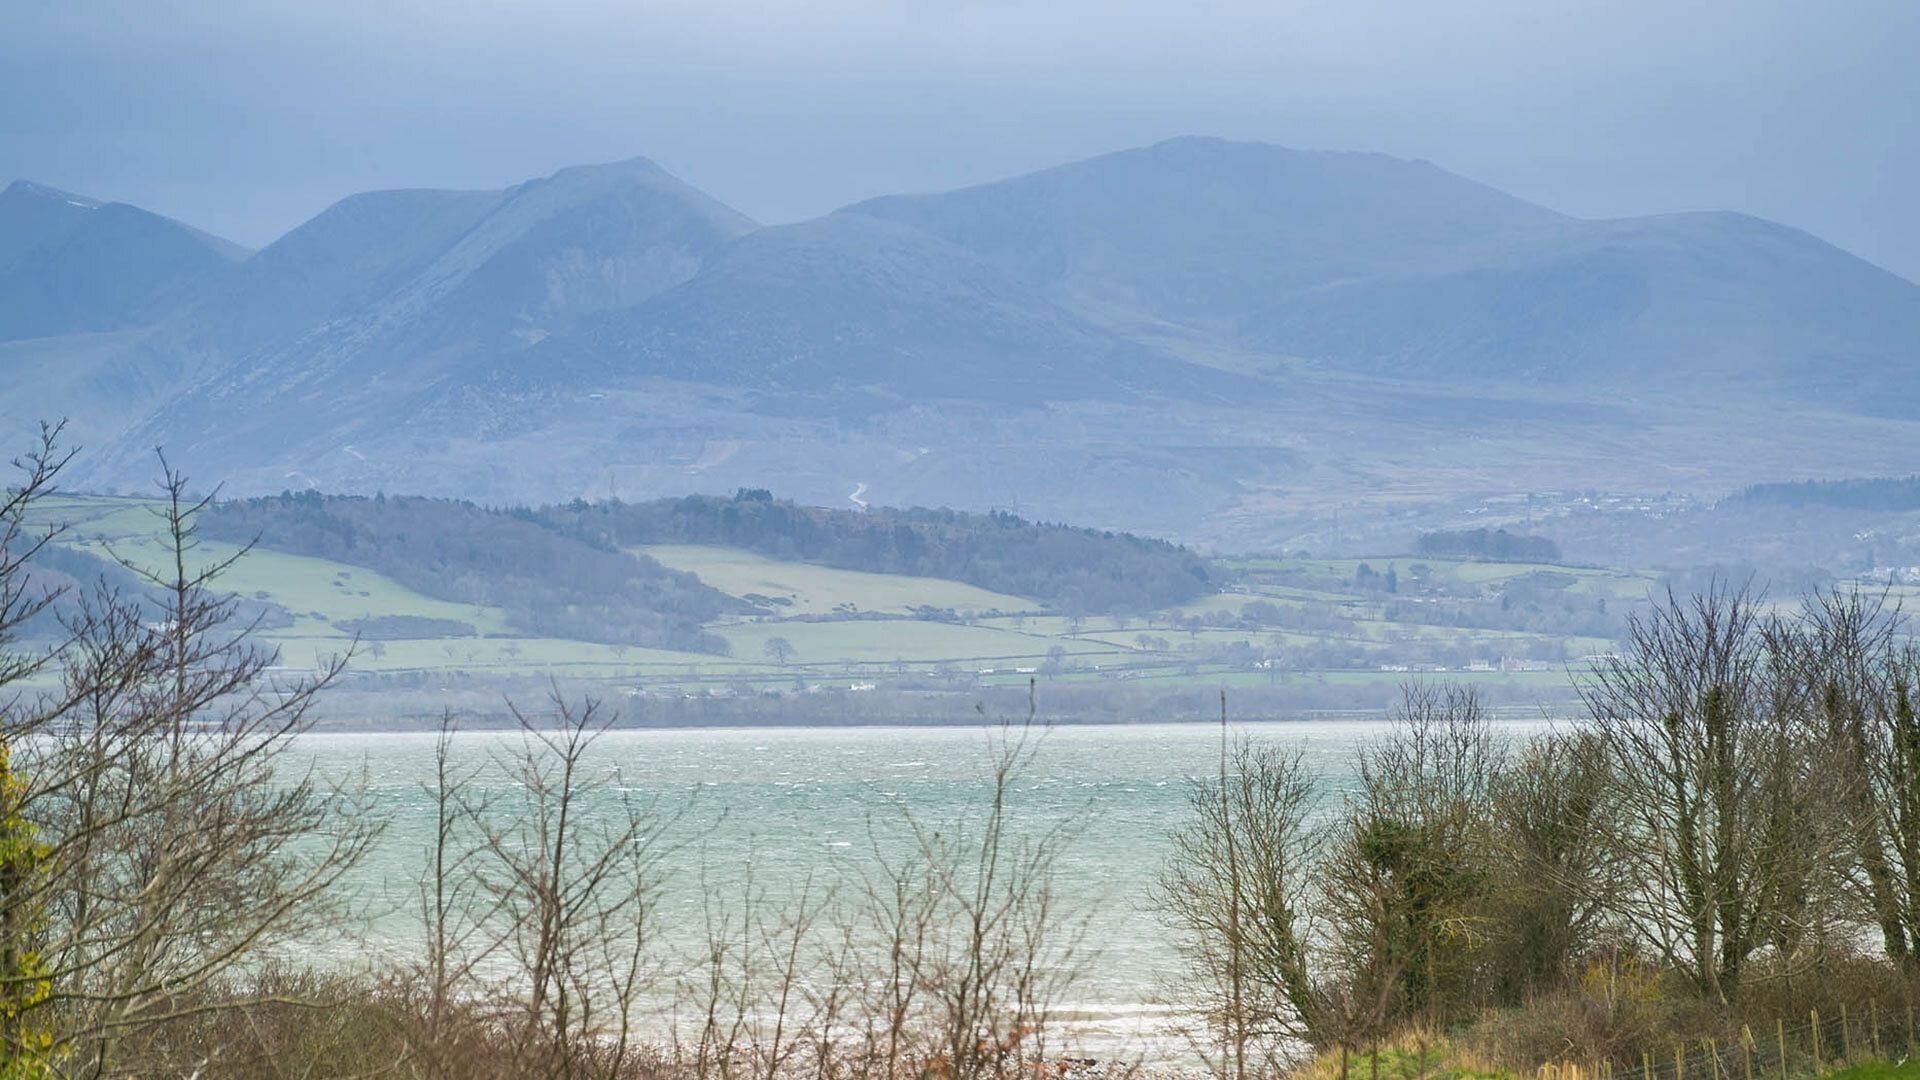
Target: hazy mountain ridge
x,y
1684,299
69,264
1206,230
393,299
1259,328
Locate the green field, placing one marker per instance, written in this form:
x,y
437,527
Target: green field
x,y
1904,1069
807,589
317,591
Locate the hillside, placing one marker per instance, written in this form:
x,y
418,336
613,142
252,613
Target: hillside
x,y
392,307
381,270
69,264
1684,302
848,302
1218,342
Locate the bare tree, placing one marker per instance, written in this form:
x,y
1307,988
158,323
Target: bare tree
x,y
179,848
25,1031
1855,671
1000,950
456,912
21,539
750,987
1705,733
1896,778
1237,892
571,869
886,933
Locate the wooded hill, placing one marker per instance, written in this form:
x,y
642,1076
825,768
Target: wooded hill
x,y
1494,545
1075,570
1881,493
549,585
571,571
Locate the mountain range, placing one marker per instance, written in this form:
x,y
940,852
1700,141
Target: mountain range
x,y
1230,343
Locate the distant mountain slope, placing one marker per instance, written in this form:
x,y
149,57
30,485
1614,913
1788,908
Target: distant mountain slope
x,y
847,301
1207,229
451,315
69,264
387,303
351,256
32,215
431,277
1372,265
1723,300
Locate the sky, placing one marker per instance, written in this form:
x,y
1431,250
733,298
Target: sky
x,y
247,118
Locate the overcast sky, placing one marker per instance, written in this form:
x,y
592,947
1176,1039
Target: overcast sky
x,y
246,118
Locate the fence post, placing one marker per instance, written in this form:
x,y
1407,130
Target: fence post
x,y
1373,1069
1779,1033
1846,1034
1817,1070
1873,1025
1646,1065
1746,1051
1679,1062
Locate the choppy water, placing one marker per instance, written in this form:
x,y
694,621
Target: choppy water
x,y
800,804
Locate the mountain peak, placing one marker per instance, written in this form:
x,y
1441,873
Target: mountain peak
x,y
468,268
1220,149
73,264
35,215
633,166
637,174
1214,142
28,189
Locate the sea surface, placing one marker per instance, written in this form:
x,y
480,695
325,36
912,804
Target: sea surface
x,y
788,809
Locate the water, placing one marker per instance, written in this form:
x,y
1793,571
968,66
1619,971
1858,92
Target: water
x,y
795,805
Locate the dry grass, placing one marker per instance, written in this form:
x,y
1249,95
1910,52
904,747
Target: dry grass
x,y
1415,1054
297,1024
